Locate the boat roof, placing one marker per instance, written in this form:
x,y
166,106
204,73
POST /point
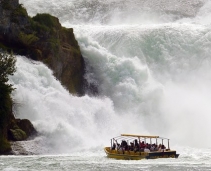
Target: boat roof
x,y
139,136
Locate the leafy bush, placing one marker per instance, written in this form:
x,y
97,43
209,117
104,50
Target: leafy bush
x,y
7,67
20,11
4,145
18,134
39,27
47,20
27,39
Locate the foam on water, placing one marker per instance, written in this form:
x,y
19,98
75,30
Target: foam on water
x,y
117,12
56,114
96,161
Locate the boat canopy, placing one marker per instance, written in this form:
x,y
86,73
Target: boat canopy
x,y
129,137
139,136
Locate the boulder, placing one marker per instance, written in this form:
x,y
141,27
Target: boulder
x,y
17,134
26,126
20,129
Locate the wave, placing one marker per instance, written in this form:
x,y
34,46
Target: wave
x,y
159,74
117,12
65,122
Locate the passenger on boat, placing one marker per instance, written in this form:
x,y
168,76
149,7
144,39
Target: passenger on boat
x,y
137,147
146,150
113,147
131,146
152,148
123,146
161,148
142,145
156,147
147,145
118,146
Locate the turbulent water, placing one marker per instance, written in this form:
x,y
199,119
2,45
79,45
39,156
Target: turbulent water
x,y
150,60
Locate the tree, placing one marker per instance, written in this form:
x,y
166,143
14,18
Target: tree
x,y
7,67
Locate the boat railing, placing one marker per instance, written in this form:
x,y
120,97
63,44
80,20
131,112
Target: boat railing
x,y
128,137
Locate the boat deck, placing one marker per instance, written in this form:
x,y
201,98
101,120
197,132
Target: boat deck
x,y
139,142
131,155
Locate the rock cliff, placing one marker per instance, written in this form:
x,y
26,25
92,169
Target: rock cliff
x,y
43,38
40,38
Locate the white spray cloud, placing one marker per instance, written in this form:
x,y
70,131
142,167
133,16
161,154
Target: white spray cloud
x,y
64,120
116,12
152,77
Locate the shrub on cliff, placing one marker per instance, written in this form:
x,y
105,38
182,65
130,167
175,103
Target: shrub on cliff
x,y
4,145
7,67
27,39
47,20
45,23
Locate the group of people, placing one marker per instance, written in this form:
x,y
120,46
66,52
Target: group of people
x,y
138,146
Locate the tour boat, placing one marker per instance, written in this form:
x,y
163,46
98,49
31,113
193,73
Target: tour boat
x,y
137,147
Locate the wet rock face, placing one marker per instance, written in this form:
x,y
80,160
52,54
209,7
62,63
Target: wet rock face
x,y
20,129
13,3
43,38
40,38
26,126
17,135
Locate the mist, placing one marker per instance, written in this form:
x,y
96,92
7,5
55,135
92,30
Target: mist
x,y
150,61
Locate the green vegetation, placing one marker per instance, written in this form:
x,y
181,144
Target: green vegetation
x,y
7,67
54,44
27,39
45,23
46,20
18,134
2,46
39,27
4,145
18,12
41,38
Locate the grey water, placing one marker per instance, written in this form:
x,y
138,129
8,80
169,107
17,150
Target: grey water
x,y
97,161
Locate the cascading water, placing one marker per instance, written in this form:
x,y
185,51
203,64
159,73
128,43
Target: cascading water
x,y
150,60
59,117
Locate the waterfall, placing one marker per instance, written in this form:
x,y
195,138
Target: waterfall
x,y
150,60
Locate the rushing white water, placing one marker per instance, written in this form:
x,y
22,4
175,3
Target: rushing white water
x,y
117,11
151,61
60,117
160,73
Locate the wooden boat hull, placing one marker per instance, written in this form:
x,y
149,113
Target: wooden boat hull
x,y
131,155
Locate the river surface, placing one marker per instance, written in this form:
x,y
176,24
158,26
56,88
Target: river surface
x,y
188,161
